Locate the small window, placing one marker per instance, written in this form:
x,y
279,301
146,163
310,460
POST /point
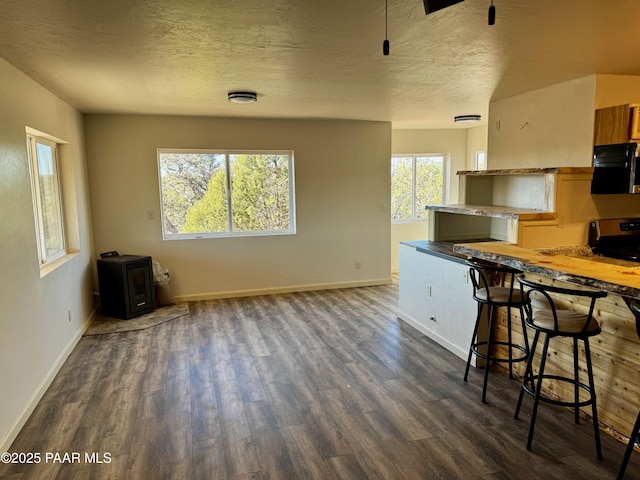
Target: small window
x,y
47,200
481,160
416,181
207,193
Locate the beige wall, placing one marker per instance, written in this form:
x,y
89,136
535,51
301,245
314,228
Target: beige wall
x,y
457,142
612,90
549,127
35,332
342,181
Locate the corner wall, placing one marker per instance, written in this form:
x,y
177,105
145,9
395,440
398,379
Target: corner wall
x,y
36,334
342,181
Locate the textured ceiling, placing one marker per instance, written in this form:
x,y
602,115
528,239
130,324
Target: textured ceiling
x,y
313,58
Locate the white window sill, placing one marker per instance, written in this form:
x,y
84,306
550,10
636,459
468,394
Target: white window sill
x,y
50,267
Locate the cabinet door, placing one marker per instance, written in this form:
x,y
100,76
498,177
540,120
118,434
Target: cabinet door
x,y
612,125
634,132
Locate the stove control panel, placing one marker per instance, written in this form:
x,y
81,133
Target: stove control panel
x,y
631,226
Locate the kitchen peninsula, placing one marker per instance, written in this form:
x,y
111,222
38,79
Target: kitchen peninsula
x,y
536,221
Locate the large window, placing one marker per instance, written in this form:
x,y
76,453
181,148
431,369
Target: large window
x,y
416,181
207,193
47,202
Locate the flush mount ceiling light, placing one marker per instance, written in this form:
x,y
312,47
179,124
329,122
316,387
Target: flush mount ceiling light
x,y
242,97
467,118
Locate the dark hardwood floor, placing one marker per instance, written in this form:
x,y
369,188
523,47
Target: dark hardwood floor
x,y
315,385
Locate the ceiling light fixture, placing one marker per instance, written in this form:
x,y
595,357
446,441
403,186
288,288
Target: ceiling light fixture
x,y
242,97
467,118
492,14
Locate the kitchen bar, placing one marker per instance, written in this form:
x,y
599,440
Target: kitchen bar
x,y
616,354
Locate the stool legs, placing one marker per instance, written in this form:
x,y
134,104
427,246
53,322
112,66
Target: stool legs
x,y
528,373
592,388
473,340
490,342
536,397
492,312
533,384
627,453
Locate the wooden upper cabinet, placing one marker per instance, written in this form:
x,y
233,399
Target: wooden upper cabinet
x,y
619,124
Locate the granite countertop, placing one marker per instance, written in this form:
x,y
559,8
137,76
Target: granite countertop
x,y
494,211
568,264
441,248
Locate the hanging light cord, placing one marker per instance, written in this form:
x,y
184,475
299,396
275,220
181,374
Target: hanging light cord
x,y
385,44
492,14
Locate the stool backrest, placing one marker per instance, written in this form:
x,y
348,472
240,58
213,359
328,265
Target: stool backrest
x,y
538,296
485,275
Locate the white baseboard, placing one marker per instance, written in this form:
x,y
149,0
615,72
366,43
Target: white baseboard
x,y
44,385
287,289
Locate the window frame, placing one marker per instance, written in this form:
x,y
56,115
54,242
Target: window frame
x,y
414,156
230,233
32,141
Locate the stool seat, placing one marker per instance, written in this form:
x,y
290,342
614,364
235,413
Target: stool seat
x,y
544,317
495,286
569,323
501,296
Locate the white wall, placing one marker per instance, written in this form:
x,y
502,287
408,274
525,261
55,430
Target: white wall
x,y
549,127
342,181
35,333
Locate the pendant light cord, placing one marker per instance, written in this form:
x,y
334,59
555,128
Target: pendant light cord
x,y
386,10
385,44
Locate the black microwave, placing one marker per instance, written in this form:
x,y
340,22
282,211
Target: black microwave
x,y
616,169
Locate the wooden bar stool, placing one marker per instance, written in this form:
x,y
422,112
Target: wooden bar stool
x,y
633,436
544,317
495,286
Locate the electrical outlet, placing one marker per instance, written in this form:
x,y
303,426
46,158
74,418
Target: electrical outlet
x,y
429,291
358,265
150,215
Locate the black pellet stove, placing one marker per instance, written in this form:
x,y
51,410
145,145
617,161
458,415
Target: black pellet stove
x,y
126,285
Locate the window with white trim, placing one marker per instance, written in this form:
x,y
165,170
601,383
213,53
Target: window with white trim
x,y
416,181
481,160
222,193
47,199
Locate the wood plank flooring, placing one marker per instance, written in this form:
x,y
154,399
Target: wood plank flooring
x,y
314,385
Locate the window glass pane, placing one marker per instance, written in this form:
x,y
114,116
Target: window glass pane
x,y
52,232
259,192
401,188
481,161
429,181
194,192
224,193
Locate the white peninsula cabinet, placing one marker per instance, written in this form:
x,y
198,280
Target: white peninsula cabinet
x,y
435,297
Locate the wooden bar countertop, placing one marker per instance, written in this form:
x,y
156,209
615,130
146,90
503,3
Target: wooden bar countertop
x,y
568,264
